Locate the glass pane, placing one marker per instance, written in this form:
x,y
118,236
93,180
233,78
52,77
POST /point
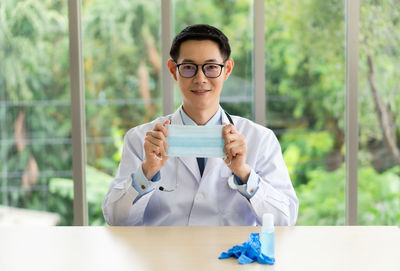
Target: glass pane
x,y
379,111
122,61
235,19
305,90
35,134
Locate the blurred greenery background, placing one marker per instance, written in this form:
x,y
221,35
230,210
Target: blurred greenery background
x,y
305,90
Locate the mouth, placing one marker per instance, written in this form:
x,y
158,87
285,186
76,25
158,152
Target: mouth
x,y
200,91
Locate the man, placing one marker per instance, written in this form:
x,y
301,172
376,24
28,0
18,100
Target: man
x,y
153,189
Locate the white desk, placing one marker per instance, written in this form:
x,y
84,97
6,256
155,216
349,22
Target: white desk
x,y
10,216
195,248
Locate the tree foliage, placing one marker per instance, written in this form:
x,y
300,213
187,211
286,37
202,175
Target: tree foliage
x,y
323,197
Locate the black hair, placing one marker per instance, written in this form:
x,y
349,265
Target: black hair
x,y
201,32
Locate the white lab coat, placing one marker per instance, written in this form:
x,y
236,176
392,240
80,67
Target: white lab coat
x,y
206,200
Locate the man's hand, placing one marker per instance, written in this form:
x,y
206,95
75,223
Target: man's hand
x,y
155,147
236,151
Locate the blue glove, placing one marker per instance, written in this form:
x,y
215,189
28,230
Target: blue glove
x,y
248,252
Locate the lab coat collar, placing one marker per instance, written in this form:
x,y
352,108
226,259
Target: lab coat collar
x,y
225,117
176,118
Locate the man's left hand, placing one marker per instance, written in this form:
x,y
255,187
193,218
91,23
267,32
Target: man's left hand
x,y
236,151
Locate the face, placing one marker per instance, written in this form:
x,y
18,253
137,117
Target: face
x,y
200,92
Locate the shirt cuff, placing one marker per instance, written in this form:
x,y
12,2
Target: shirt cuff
x,y
250,188
141,184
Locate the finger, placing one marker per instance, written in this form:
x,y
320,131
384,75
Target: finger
x,y
235,139
165,131
227,128
235,148
167,122
151,148
157,135
235,151
155,141
231,137
230,129
228,154
156,149
158,153
238,138
227,161
160,127
161,143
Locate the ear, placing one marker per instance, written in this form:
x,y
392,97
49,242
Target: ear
x,y
172,68
228,67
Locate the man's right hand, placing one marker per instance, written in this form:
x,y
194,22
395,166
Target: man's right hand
x,y
155,147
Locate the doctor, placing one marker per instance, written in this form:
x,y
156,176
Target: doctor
x,y
153,189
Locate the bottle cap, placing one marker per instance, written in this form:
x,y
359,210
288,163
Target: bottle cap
x,y
268,220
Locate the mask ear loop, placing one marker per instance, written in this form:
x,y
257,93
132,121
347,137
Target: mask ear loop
x,y
157,157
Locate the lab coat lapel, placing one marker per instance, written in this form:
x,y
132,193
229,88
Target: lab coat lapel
x,y
176,118
216,163
213,164
189,162
192,166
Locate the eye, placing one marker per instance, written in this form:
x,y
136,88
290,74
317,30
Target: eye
x,y
211,67
187,67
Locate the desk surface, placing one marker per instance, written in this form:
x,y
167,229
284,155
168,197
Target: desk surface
x,y
195,248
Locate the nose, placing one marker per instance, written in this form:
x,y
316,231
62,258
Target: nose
x,y
200,77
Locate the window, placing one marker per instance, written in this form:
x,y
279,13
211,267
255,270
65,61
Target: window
x,y
35,109
379,108
122,62
305,90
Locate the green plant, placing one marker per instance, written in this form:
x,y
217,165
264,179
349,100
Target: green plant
x,y
97,183
322,199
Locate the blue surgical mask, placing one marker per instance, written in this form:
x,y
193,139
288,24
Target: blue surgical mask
x,y
195,141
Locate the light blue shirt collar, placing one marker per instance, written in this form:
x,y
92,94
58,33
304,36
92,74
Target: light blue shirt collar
x,y
215,120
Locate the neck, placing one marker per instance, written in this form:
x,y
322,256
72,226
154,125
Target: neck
x,y
200,117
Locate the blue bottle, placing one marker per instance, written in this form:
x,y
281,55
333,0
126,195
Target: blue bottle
x,y
268,235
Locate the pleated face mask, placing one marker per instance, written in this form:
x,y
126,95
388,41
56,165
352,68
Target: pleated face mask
x,y
195,141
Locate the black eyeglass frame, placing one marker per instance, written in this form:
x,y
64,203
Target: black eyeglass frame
x,y
202,68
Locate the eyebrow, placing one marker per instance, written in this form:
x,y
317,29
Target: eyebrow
x,y
212,60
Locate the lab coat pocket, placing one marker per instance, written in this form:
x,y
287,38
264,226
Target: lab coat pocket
x,y
225,193
225,172
235,209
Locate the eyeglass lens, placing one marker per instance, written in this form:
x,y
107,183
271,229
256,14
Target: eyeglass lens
x,y
190,70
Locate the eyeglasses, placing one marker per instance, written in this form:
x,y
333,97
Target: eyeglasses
x,y
210,70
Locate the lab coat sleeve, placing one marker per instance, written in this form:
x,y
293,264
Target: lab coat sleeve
x,y
275,193
123,205
250,188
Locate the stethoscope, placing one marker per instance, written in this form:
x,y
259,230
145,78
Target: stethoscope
x,y
230,180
